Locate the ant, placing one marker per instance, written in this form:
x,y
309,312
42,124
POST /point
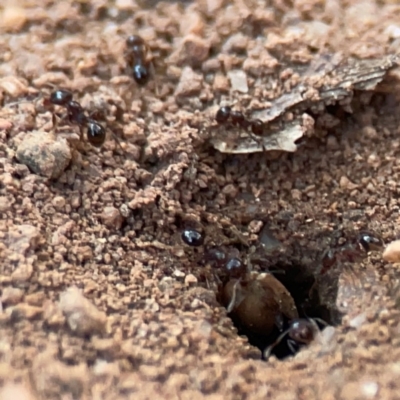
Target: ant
x,y
256,301
301,332
226,114
137,59
261,305
354,251
95,133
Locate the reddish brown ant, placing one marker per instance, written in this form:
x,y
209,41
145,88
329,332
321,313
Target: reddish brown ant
x,y
354,251
255,128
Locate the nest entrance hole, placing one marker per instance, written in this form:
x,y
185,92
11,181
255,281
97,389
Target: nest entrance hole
x,y
305,291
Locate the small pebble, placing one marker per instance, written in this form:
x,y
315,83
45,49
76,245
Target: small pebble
x,y
190,83
82,316
5,204
370,389
190,279
12,391
22,274
23,238
25,311
11,296
44,155
13,18
5,125
112,218
238,80
58,203
178,274
13,86
235,43
196,49
358,321
392,252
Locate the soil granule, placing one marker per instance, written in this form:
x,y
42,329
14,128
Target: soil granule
x,y
100,298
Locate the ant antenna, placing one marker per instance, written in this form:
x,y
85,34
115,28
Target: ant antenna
x,y
39,96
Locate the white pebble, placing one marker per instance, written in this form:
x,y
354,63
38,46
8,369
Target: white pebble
x,y
392,252
238,80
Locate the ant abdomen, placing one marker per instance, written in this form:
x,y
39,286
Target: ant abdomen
x,y
137,59
95,134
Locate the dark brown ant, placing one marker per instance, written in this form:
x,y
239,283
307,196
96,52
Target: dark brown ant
x,y
354,251
223,114
301,332
137,59
226,115
239,119
95,133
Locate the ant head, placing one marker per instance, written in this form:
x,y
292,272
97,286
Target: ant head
x,y
134,40
369,242
60,97
302,330
235,268
223,114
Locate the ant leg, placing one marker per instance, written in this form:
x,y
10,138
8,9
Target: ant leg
x,y
18,102
117,140
153,74
268,350
232,303
54,121
293,347
258,140
320,321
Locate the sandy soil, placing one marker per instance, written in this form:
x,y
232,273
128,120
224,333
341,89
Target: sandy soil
x,y
100,298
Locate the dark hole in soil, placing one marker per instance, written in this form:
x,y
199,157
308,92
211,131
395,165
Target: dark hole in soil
x,y
305,291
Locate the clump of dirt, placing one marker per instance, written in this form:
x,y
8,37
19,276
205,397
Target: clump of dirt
x,y
100,297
